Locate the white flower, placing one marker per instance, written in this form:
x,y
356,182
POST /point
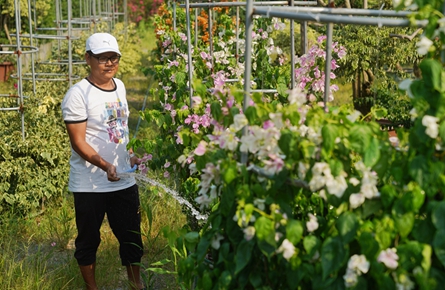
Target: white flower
x,y
432,128
358,264
369,190
354,181
405,85
297,96
249,233
239,121
302,169
389,257
356,199
350,278
216,241
413,114
336,186
196,101
287,248
423,45
403,282
312,224
354,116
260,203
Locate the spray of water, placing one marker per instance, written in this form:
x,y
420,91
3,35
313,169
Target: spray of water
x,y
141,178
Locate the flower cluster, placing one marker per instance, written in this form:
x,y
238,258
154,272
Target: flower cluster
x,y
368,188
309,71
322,176
357,265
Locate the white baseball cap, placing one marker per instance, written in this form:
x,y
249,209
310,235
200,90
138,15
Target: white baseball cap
x,y
102,42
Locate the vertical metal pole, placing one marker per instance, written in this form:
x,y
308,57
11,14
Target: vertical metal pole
x,y
19,66
174,28
292,50
327,76
174,16
125,16
237,35
31,40
303,41
70,48
247,65
196,27
189,50
210,22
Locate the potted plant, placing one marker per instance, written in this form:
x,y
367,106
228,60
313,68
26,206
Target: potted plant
x,y
7,65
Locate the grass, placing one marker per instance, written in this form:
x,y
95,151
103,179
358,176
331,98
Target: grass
x,y
36,252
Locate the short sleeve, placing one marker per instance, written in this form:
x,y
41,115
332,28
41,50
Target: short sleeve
x,y
74,107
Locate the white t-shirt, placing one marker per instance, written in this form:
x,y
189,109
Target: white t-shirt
x,y
106,113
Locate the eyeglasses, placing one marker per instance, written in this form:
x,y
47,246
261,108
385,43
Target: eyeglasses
x,y
103,59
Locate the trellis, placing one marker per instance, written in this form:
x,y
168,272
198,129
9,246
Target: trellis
x,y
65,29
211,5
290,10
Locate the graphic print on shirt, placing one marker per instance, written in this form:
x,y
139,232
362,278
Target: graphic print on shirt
x,y
116,116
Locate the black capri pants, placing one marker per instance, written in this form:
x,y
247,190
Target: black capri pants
x,y
123,212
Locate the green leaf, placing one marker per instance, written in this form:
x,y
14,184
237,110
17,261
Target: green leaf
x,y
207,282
294,231
215,109
199,88
387,195
192,237
372,153
403,220
418,169
368,245
251,114
224,280
265,230
347,225
311,245
410,255
431,73
438,214
161,262
427,252
243,254
180,78
229,173
360,137
424,230
333,255
371,207
329,133
287,142
282,89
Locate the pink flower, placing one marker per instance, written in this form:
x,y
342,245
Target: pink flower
x,y
201,149
166,174
389,258
268,124
167,164
143,169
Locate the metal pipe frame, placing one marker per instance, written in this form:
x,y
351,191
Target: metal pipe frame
x,y
322,15
243,4
64,32
210,6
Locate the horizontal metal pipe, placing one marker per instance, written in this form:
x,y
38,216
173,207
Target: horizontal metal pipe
x,y
237,4
30,49
346,11
338,19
